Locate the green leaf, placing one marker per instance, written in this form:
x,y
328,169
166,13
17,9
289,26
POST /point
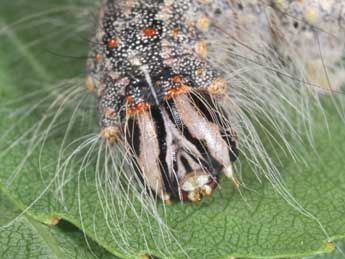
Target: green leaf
x,y
256,223
21,237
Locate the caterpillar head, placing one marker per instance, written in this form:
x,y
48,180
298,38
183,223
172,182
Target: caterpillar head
x,y
159,99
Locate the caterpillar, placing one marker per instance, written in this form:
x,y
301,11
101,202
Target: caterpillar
x,y
159,86
146,78
181,91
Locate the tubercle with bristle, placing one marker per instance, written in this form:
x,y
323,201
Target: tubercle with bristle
x,y
111,134
217,87
229,173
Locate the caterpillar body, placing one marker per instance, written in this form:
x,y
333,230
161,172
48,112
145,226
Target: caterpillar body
x,y
157,92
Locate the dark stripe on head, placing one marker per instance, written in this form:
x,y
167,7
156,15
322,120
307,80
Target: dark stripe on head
x,y
208,162
170,182
133,135
133,139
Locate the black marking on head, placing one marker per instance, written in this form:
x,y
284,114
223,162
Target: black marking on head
x,y
173,114
185,164
133,135
208,162
170,182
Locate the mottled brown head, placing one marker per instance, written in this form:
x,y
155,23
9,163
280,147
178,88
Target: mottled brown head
x,y
155,94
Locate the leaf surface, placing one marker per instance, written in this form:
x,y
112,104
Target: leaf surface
x,y
22,237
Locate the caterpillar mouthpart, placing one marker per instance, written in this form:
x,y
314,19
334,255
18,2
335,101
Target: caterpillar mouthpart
x,y
181,147
161,100
195,185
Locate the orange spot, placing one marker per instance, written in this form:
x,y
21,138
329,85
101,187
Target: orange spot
x,y
149,32
89,84
129,98
112,43
142,106
174,32
176,79
99,57
174,91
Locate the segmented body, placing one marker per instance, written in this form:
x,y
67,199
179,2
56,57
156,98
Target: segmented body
x,y
147,54
160,77
152,38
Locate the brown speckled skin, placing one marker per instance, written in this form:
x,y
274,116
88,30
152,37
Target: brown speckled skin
x,y
118,72
143,54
